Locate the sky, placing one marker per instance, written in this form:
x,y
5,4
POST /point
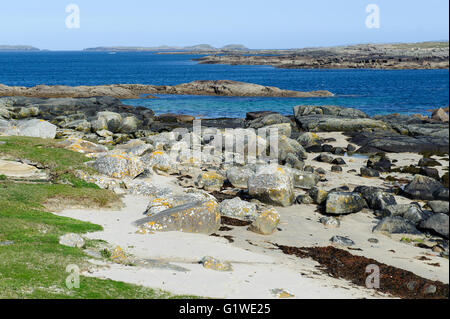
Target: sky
x,y
258,24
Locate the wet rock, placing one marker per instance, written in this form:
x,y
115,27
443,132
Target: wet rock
x,y
72,240
429,162
369,172
439,206
215,264
437,223
195,217
266,223
272,184
422,187
376,198
342,241
373,240
238,209
395,225
338,203
330,221
119,165
318,195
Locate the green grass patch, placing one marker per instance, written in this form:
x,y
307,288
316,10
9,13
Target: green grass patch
x,y
34,264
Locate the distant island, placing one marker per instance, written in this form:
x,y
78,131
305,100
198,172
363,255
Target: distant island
x,y
422,55
18,48
193,48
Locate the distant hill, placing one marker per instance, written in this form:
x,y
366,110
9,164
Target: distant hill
x,y
17,48
235,47
199,47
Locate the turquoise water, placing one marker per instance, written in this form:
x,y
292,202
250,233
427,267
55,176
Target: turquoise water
x,y
373,91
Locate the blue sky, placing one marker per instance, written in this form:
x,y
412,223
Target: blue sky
x,y
254,23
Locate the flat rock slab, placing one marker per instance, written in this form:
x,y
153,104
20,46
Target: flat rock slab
x,y
19,170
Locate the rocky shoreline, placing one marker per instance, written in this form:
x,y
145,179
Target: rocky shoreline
x,y
196,178
135,91
371,56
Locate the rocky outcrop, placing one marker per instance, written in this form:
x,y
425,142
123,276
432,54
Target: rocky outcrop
x,y
367,56
134,91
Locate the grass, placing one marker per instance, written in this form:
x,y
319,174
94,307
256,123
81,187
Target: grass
x,y
34,265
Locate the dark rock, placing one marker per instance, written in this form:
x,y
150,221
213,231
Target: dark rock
x,y
351,148
339,161
422,187
250,116
314,148
369,172
343,241
430,172
324,158
441,194
437,223
327,148
338,203
379,162
439,206
336,169
376,198
338,151
396,225
429,162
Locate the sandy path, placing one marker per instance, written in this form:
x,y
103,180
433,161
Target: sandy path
x,y
256,270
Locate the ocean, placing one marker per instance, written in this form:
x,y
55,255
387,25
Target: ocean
x,y
372,91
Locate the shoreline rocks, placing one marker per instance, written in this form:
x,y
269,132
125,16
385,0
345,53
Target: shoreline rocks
x,y
135,91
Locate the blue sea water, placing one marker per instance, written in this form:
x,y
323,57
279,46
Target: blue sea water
x,y
373,91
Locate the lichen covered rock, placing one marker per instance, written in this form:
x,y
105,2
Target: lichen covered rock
x,y
338,203
272,184
119,165
195,217
266,223
239,209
